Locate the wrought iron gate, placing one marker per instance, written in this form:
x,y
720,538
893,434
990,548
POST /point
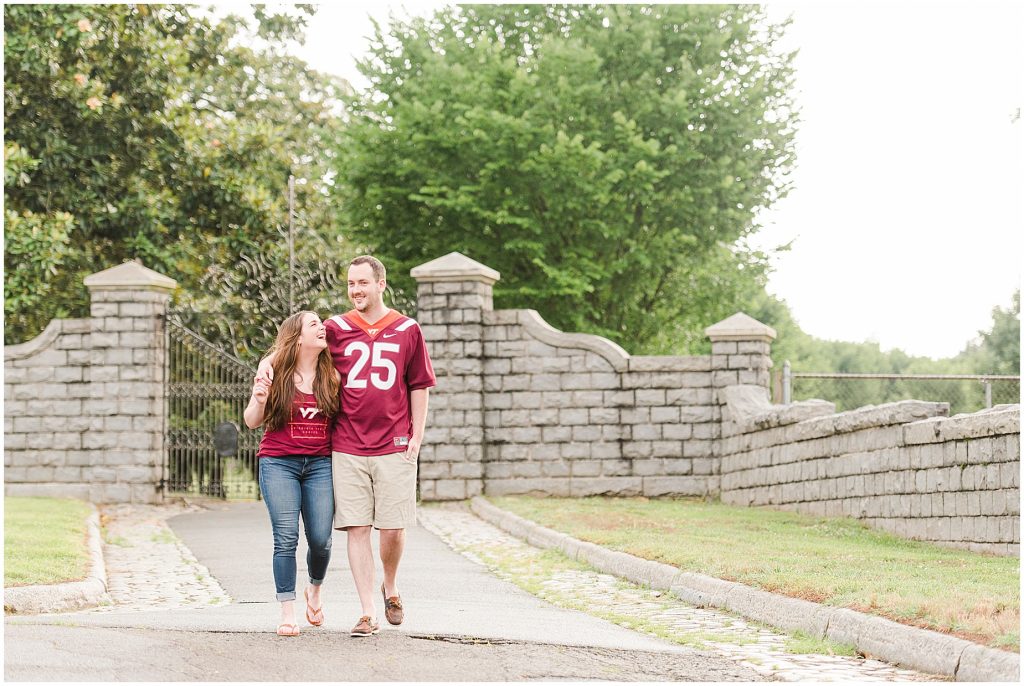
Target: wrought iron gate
x,y
207,387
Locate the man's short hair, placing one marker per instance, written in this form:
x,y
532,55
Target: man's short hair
x,y
379,273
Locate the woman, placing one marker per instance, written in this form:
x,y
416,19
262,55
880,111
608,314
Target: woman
x,y
295,458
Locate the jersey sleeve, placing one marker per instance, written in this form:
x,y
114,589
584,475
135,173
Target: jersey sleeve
x,y
419,372
333,334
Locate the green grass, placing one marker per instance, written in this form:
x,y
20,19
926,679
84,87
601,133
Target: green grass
x,y
164,536
119,541
533,569
800,643
44,541
837,562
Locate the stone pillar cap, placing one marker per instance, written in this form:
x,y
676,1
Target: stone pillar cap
x,y
740,327
454,267
129,276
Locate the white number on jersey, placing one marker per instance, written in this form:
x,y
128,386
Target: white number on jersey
x,y
375,353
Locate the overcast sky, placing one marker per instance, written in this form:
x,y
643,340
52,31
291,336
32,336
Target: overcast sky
x,y
906,214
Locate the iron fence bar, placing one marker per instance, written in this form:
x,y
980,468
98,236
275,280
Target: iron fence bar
x,y
951,377
787,383
896,386
180,328
205,386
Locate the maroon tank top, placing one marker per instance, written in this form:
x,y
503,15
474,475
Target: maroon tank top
x,y
308,432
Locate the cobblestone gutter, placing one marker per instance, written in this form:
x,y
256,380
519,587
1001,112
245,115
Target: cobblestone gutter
x,y
910,647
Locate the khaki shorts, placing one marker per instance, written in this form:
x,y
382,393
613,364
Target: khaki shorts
x,y
378,490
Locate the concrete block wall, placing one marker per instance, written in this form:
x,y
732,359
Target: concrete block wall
x,y
575,415
84,400
902,467
521,407
46,385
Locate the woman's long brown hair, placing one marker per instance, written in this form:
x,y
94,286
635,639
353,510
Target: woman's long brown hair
x,y
282,391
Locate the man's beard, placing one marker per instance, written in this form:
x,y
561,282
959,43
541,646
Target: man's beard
x,y
368,304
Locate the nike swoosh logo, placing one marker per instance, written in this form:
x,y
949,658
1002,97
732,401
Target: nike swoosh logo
x,y
389,335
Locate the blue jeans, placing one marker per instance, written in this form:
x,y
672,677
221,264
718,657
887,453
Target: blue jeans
x,y
291,485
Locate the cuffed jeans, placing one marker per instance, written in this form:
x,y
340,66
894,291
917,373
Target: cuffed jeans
x,y
291,485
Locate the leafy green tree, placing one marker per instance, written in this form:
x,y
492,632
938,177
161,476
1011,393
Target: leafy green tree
x,y
37,244
607,160
149,131
997,350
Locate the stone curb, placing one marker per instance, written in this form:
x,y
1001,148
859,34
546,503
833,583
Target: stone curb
x,y
67,597
910,647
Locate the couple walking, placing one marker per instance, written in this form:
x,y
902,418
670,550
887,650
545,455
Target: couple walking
x,y
344,404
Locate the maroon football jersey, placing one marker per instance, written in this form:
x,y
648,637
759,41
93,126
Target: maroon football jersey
x,y
306,433
379,364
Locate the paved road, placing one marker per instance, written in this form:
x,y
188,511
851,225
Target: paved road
x,y
463,623
55,653
444,593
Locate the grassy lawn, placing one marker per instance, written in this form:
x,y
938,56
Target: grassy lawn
x,y
837,562
44,541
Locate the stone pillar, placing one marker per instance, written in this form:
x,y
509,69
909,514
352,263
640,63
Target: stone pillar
x,y
128,355
453,295
740,355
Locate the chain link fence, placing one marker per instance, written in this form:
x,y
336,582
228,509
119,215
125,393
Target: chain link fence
x,y
963,392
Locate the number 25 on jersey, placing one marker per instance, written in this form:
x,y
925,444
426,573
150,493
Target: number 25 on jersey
x,y
383,372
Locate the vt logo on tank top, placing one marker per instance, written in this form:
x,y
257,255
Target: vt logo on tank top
x,y
308,422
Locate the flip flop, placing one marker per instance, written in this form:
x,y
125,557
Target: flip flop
x,y
314,617
287,630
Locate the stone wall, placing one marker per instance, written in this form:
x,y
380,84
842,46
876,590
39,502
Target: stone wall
x,y
84,400
902,467
578,416
523,408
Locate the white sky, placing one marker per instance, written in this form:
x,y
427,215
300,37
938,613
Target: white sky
x,y
906,209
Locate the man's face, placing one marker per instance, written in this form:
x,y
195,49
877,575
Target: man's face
x,y
363,291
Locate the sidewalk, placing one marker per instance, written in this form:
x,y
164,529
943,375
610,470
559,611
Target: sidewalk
x,y
211,565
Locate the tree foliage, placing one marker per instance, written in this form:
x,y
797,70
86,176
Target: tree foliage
x,y
151,132
995,351
607,160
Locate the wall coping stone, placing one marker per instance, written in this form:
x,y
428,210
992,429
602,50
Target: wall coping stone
x,y
998,420
899,412
751,409
869,416
535,325
740,327
129,276
53,330
454,267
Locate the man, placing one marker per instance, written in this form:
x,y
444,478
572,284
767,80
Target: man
x,y
385,376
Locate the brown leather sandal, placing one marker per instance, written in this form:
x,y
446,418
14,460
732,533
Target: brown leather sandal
x,y
287,630
314,617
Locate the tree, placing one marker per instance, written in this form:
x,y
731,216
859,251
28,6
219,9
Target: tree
x,y
997,350
148,131
607,160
